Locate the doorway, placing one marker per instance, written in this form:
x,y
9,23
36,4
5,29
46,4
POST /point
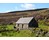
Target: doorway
x,y
22,25
18,25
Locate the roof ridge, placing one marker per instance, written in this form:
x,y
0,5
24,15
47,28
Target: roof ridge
x,y
24,20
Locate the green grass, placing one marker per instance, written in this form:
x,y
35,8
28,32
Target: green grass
x,y
10,27
43,26
23,33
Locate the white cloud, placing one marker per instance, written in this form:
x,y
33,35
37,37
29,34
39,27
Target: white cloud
x,y
24,6
28,6
15,9
8,10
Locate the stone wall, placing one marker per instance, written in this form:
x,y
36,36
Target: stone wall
x,y
25,26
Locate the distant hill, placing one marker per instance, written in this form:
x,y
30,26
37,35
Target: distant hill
x,y
10,17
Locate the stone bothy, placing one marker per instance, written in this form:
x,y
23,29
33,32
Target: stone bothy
x,y
26,22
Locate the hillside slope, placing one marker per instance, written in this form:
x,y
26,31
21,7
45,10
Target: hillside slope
x,y
11,17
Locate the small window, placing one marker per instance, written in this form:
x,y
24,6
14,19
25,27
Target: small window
x,y
22,25
18,25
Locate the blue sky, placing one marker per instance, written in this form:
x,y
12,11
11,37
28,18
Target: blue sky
x,y
6,7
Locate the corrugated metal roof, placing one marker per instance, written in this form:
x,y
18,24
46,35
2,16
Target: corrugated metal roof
x,y
24,20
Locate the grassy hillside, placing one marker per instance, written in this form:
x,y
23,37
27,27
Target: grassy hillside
x,y
41,15
42,31
11,17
